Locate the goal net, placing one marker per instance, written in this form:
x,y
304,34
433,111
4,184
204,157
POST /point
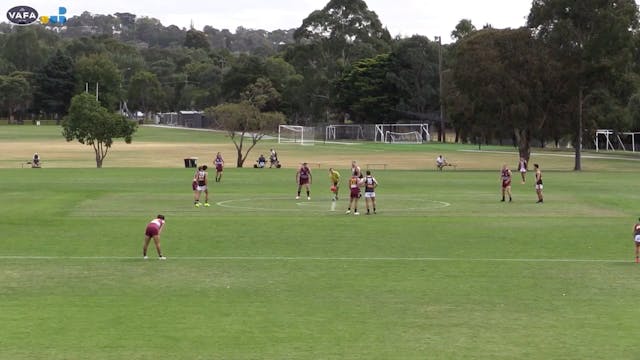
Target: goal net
x,y
303,135
412,137
389,132
343,132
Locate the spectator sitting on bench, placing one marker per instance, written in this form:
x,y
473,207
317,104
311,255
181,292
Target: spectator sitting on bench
x,y
441,162
35,162
261,162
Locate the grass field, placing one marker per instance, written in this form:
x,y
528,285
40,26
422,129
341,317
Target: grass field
x,y
443,271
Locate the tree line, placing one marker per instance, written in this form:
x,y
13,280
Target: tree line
x,y
570,69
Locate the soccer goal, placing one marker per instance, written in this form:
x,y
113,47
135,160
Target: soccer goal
x,y
302,135
395,133
411,137
343,132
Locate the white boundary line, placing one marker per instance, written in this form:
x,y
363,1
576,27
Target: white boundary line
x,y
312,258
602,157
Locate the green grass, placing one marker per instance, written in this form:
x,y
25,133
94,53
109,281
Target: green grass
x,y
443,271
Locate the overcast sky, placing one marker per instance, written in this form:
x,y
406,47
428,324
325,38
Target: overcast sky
x,y
402,17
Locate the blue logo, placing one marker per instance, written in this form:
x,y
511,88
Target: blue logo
x,y
22,15
59,19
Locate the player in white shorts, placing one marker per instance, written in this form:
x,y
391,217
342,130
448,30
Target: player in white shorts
x,y
636,240
370,184
202,180
539,185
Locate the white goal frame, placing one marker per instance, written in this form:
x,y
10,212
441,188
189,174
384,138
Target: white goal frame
x,y
411,137
609,145
302,135
330,132
421,129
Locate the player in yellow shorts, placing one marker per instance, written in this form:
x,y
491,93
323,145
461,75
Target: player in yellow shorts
x,y
334,176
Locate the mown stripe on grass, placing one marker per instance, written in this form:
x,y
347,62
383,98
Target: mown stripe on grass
x,y
312,258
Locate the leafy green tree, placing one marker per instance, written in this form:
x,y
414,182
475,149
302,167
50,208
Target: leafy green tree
x,y
464,28
633,109
15,93
145,92
288,83
92,124
328,41
244,122
6,67
262,95
366,93
594,41
347,29
99,71
242,73
414,72
507,76
55,84
28,47
196,39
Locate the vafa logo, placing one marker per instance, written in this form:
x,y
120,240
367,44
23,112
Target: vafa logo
x,y
26,15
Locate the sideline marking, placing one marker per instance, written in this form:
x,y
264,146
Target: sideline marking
x,y
312,258
600,157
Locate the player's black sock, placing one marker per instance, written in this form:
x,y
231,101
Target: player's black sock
x,y
308,192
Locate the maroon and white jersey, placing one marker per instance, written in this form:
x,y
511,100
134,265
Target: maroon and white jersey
x,y
218,162
201,178
506,177
154,226
636,229
370,183
304,173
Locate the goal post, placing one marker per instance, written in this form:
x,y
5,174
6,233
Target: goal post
x,y
343,132
421,129
302,135
411,137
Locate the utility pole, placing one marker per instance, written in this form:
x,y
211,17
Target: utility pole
x,y
442,136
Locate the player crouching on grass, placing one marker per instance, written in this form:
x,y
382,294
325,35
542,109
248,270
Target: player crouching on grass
x,y
153,230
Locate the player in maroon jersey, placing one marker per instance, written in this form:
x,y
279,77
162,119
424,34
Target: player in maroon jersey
x,y
354,194
303,178
522,167
636,239
153,230
505,177
539,185
219,163
355,169
202,180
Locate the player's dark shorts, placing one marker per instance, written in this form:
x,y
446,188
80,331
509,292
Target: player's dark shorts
x,y
506,183
218,168
152,230
302,181
355,193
